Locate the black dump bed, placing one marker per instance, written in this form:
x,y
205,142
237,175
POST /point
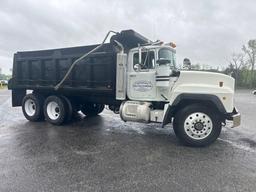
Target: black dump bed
x,y
42,70
45,69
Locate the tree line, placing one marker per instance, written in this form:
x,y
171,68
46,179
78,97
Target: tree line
x,y
4,77
241,66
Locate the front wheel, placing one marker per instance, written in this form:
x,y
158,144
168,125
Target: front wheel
x,y
197,125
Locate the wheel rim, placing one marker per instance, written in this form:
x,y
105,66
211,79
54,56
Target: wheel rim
x,y
198,125
30,107
53,110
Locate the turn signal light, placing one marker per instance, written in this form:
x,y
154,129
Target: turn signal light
x,y
173,45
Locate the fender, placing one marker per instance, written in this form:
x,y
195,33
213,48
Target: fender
x,y
191,97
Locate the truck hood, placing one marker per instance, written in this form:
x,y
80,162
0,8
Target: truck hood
x,y
200,82
206,79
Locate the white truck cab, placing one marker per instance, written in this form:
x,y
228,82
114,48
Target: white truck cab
x,y
151,80
153,90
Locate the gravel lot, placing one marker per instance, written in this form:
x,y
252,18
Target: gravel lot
x,y
105,154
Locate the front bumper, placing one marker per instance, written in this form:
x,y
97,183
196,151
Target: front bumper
x,y
235,117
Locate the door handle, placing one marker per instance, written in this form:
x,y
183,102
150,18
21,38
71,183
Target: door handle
x,y
132,75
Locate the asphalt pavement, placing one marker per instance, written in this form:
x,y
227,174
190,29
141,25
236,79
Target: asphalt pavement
x,y
103,153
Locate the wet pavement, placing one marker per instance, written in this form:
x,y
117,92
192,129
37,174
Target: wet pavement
x,y
103,153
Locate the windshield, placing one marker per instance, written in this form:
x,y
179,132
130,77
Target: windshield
x,y
167,54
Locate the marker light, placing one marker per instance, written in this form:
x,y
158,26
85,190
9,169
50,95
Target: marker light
x,y
173,45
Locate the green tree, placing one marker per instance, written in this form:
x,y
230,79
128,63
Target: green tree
x,y
236,63
250,51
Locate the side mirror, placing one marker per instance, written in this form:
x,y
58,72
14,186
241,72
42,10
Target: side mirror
x,y
137,67
186,64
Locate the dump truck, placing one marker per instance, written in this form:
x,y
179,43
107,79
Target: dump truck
x,y
132,76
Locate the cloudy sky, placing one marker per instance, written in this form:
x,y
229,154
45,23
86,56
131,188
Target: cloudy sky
x,y
207,32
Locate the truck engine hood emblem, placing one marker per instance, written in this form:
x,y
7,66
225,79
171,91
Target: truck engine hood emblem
x,y
142,86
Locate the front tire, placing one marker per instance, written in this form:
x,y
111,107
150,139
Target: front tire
x,y
55,110
197,125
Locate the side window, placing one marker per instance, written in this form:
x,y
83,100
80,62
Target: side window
x,y
147,60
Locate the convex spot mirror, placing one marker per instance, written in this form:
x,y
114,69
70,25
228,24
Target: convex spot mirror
x,y
186,63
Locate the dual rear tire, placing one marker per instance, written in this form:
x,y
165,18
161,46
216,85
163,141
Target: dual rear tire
x,y
32,107
55,109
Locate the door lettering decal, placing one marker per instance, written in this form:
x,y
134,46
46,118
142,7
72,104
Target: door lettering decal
x,y
142,86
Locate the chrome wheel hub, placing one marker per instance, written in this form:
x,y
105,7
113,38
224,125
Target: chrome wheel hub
x,y
198,125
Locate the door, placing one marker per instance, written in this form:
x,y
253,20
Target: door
x,y
142,82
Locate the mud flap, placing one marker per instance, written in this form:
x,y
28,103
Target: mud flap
x,y
167,116
17,97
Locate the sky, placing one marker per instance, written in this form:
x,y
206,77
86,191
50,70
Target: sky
x,y
206,32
